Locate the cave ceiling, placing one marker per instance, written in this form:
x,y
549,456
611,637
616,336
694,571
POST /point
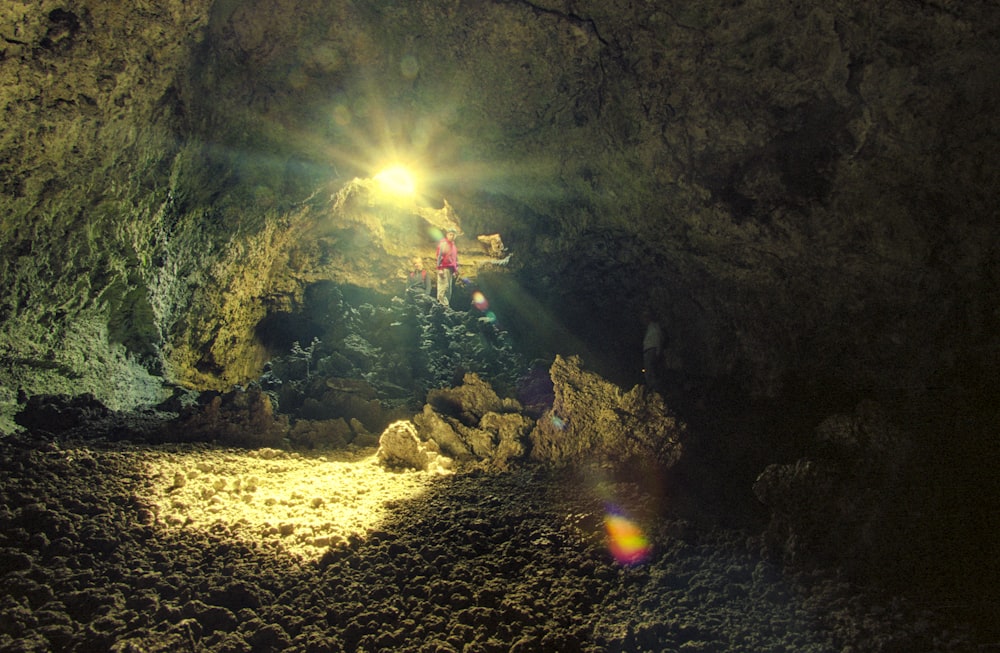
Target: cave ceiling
x,y
806,189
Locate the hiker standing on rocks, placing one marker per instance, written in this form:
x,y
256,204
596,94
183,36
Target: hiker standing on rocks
x,y
447,266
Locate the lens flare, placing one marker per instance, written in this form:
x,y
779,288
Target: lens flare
x,y
479,301
626,540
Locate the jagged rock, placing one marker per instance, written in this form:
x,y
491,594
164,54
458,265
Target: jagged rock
x,y
470,401
401,448
493,245
471,422
434,427
810,221
362,436
334,404
593,419
509,436
804,191
238,418
320,434
849,503
58,413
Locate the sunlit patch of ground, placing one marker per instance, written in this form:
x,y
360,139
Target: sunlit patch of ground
x,y
302,504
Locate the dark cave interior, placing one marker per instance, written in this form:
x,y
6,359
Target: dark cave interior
x,y
196,248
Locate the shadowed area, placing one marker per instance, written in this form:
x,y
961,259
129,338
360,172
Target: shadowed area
x,y
717,358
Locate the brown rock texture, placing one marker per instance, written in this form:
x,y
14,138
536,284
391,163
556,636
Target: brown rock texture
x,y
592,419
473,424
117,558
850,502
802,194
799,192
399,447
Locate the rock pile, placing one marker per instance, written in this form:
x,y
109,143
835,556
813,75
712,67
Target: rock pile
x,y
590,420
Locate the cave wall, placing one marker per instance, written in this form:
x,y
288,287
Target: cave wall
x,y
87,151
800,191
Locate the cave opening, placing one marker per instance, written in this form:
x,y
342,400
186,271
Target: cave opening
x,y
278,332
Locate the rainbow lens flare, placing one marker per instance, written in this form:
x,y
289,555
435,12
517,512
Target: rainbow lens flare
x,y
626,540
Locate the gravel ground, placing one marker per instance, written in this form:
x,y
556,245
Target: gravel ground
x,y
125,547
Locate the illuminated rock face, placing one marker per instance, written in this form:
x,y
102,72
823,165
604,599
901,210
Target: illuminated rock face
x,y
799,193
401,448
592,419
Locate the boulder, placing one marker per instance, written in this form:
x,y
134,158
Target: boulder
x,y
509,434
58,413
435,428
493,245
592,419
849,503
472,423
401,448
469,401
321,434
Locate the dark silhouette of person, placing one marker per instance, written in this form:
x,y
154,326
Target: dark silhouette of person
x,y
652,352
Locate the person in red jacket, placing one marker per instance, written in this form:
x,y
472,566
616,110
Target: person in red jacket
x,y
447,266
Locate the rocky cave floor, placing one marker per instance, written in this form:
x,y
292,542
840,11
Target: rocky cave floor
x,y
125,546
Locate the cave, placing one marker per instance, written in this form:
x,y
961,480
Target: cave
x,y
236,415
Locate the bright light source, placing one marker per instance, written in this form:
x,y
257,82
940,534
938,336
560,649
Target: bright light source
x,y
396,180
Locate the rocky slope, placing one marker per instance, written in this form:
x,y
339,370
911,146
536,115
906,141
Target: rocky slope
x,y
640,532
102,550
